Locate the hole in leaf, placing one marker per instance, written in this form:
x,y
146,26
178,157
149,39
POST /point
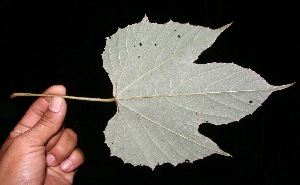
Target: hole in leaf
x,y
175,30
140,44
250,101
187,161
178,36
139,56
155,44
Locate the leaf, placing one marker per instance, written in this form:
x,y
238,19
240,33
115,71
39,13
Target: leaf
x,y
163,97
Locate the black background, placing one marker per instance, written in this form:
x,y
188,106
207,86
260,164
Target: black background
x,y
60,42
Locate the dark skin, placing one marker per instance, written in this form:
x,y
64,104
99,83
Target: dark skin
x,y
39,150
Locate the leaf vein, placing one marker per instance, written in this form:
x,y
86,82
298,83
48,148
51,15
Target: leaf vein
x,y
125,62
180,135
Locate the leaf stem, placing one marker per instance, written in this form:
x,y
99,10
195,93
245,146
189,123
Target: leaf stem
x,y
64,96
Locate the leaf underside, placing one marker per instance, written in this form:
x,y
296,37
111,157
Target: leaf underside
x,y
163,97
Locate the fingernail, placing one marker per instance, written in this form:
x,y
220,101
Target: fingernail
x,y
50,159
66,165
55,104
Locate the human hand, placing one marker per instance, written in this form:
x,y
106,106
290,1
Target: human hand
x,y
39,150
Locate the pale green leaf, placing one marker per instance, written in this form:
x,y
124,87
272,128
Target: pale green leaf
x,y
163,97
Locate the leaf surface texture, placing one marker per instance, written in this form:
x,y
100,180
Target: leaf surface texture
x,y
163,97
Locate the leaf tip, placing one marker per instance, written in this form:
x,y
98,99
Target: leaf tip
x,y
224,153
227,154
277,88
225,27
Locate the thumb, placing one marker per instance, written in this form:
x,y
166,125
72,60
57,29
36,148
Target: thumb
x,y
50,123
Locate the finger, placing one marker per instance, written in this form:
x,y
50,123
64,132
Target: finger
x,y
73,161
52,142
33,114
49,124
63,148
36,110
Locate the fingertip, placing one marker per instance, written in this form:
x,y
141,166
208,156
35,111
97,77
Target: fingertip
x,y
66,165
73,161
50,159
56,89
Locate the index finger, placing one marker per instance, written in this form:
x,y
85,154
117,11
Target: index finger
x,y
36,110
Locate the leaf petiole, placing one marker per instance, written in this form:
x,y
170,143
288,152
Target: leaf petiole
x,y
64,96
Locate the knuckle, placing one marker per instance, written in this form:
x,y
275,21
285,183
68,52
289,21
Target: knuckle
x,y
78,156
60,149
37,109
71,134
66,144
